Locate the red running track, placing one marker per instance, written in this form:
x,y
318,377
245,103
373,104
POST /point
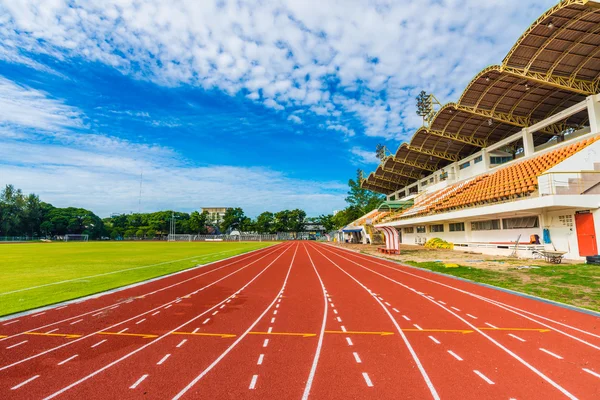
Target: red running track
x,y
303,320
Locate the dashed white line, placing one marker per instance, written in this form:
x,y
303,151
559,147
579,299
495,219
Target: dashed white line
x,y
113,307
60,308
162,360
98,313
551,353
253,382
418,327
396,310
277,306
453,354
485,378
68,359
25,382
181,343
589,371
270,329
140,321
434,340
223,306
339,319
516,337
266,343
51,331
98,344
367,379
76,322
335,311
16,345
356,357
388,304
205,321
37,315
153,314
169,306
275,312
491,326
380,298
123,330
11,322
273,320
343,328
138,381
196,330
216,312
441,302
349,341
472,316
260,359
454,308
406,318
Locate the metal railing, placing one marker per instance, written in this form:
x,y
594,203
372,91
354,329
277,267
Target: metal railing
x,y
569,183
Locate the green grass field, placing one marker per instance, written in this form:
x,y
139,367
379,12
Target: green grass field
x,y
25,266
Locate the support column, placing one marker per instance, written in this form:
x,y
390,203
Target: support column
x,y
528,146
485,159
593,106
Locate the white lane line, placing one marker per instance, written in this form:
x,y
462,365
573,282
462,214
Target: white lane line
x,y
25,382
332,305
266,343
169,306
472,316
167,334
388,304
349,341
273,320
18,344
516,337
277,306
260,359
205,321
138,381
98,344
279,301
37,315
490,325
243,335
551,353
140,321
196,330
396,310
441,302
98,313
418,327
181,343
216,312
367,379
113,307
454,308
153,314
380,298
453,354
434,340
343,328
270,329
275,312
253,382
356,357
123,330
162,360
68,359
51,331
589,371
406,318
335,311
485,378
228,301
76,322
339,319
223,306
60,308
11,322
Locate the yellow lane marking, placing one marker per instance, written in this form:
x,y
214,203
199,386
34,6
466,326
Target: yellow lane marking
x,y
143,335
70,336
363,333
283,334
2,336
223,335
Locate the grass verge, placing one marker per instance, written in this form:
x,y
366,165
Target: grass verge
x,y
577,284
26,266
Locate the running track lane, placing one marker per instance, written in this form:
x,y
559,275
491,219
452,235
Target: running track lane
x,y
89,356
116,310
558,359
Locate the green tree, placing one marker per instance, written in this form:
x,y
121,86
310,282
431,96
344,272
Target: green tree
x,y
265,223
247,225
198,222
362,199
297,221
327,222
281,221
232,219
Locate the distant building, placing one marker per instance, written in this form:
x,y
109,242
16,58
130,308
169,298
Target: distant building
x,y
215,214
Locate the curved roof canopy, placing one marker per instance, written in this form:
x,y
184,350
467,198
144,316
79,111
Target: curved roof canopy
x,y
554,65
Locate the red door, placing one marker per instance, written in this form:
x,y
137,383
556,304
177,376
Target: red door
x,y
586,234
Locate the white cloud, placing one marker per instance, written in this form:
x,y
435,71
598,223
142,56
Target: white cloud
x,y
364,156
284,52
295,119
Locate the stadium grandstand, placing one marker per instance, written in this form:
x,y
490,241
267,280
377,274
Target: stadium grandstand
x,y
514,164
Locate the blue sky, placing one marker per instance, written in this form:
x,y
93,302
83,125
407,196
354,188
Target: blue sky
x,y
260,104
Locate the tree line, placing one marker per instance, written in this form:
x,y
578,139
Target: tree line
x,y
26,215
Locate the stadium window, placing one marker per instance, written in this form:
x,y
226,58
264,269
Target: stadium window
x,y
457,227
491,225
409,230
421,229
431,180
464,165
478,159
392,197
424,183
499,160
436,228
520,223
